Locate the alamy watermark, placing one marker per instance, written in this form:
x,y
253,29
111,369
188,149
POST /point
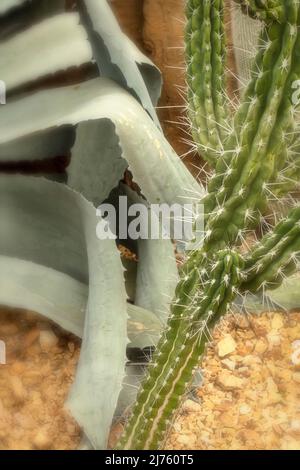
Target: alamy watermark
x,y
155,221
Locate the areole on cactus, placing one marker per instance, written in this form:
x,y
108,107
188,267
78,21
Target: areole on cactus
x,y
250,152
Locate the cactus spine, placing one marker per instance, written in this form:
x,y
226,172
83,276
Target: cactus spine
x,y
248,160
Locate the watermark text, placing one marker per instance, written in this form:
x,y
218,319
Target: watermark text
x,y
151,222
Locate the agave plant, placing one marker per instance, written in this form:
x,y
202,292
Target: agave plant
x,y
51,260
254,154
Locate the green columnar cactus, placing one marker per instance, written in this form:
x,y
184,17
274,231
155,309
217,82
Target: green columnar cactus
x,y
198,306
206,52
248,161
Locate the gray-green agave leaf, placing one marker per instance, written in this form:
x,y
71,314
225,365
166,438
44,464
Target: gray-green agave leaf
x,y
115,54
287,296
48,241
54,44
154,165
58,42
7,5
157,273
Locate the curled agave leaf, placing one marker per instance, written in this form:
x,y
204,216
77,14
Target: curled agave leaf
x,y
157,273
63,299
54,44
57,41
53,263
114,53
7,5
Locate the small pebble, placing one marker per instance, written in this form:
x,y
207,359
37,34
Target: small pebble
x,y
42,441
18,390
48,340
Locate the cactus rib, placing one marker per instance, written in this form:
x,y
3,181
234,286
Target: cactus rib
x,y
206,55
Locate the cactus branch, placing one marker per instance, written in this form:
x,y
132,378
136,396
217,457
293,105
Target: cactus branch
x,y
206,55
275,256
181,348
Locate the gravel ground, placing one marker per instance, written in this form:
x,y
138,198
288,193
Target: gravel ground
x,y
40,365
250,398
